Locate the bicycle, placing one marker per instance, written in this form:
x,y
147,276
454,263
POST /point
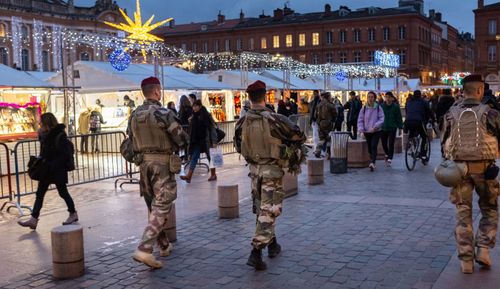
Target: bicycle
x,y
412,152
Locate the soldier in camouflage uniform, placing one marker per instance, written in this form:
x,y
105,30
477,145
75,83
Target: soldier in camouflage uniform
x,y
471,135
156,135
262,137
326,114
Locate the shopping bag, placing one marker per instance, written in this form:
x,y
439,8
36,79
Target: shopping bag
x,y
216,158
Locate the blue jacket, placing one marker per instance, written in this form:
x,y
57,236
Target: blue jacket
x,y
418,110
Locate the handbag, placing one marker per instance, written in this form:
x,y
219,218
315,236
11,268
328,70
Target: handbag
x,y
38,168
220,134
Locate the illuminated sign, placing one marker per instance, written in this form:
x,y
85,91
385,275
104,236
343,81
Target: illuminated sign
x,y
386,59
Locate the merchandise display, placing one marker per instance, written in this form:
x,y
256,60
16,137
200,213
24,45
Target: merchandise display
x,y
217,106
18,121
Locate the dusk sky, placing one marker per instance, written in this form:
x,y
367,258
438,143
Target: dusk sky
x,y
457,12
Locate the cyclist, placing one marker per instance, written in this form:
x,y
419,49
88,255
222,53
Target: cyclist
x,y
418,113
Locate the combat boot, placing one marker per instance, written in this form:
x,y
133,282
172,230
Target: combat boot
x,y
166,252
467,267
255,260
187,177
147,259
273,248
31,223
73,217
483,257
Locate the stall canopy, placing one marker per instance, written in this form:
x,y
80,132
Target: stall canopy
x,y
233,78
10,77
295,82
93,76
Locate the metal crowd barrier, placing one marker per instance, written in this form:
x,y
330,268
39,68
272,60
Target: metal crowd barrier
x,y
6,190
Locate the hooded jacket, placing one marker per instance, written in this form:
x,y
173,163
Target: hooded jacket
x,y
370,118
55,151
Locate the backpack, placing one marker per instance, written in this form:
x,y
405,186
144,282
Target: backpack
x,y
257,143
70,165
323,117
94,121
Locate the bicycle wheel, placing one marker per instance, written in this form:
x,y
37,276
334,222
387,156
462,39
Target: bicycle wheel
x,y
411,154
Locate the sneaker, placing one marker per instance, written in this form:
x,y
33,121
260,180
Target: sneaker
x,y
73,218
255,260
467,267
273,248
166,252
389,162
483,257
31,223
371,167
147,259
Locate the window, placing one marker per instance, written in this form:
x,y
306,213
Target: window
x,y
194,47
315,39
4,56
315,58
357,56
343,57
343,36
329,57
227,45
387,33
25,60
492,27
276,41
371,56
24,32
357,35
3,30
45,61
239,44
85,56
402,33
216,45
184,46
205,47
263,43
329,37
492,53
289,40
251,44
302,40
371,34
402,57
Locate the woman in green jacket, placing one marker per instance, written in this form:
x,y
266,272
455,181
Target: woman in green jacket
x,y
392,122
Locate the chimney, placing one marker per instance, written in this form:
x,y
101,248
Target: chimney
x,y
432,14
328,10
278,14
171,24
242,16
439,17
221,18
480,4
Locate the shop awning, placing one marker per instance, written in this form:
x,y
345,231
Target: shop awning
x,y
13,78
232,78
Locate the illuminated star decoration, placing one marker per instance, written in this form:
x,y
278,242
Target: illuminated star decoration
x,y
139,32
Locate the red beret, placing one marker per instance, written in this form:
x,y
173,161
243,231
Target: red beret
x,y
473,78
256,86
150,80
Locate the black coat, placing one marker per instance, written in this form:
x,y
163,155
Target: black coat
x,y
56,152
442,107
185,112
202,130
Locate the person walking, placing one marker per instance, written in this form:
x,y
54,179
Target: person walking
x,y
370,122
353,105
259,137
326,114
95,122
84,130
340,114
185,111
418,113
156,135
171,106
312,117
445,101
56,150
202,137
392,121
282,109
475,145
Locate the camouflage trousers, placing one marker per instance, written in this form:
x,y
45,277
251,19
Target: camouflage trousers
x,y
159,189
267,195
462,196
324,141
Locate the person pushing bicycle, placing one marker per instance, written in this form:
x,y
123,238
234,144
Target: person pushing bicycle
x,y
418,113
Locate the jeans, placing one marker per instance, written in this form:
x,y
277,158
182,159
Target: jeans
x,y
372,142
388,138
352,127
195,156
40,195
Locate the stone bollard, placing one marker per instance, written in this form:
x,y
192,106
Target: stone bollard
x,y
170,226
315,171
228,202
357,154
67,252
290,184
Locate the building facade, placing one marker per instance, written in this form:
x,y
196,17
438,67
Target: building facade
x,y
29,31
428,47
487,26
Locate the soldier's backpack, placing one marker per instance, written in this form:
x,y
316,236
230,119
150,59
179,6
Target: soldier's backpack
x,y
323,117
257,143
94,122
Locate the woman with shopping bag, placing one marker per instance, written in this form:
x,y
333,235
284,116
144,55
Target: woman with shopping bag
x,y
202,139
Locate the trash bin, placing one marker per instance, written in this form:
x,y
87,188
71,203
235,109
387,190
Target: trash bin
x,y
338,148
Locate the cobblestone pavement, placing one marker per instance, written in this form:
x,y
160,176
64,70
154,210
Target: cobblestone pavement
x,y
387,229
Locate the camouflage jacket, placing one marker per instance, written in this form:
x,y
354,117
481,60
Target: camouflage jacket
x,y
166,120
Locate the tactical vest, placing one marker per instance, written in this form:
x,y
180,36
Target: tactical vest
x,y
469,139
149,135
258,146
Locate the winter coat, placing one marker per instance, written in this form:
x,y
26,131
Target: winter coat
x,y
370,118
84,122
57,155
202,131
444,104
354,107
418,110
392,117
312,109
185,112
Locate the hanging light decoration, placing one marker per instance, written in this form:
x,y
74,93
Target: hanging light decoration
x,y
120,59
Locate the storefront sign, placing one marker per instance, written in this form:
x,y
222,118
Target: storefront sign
x,y
387,59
